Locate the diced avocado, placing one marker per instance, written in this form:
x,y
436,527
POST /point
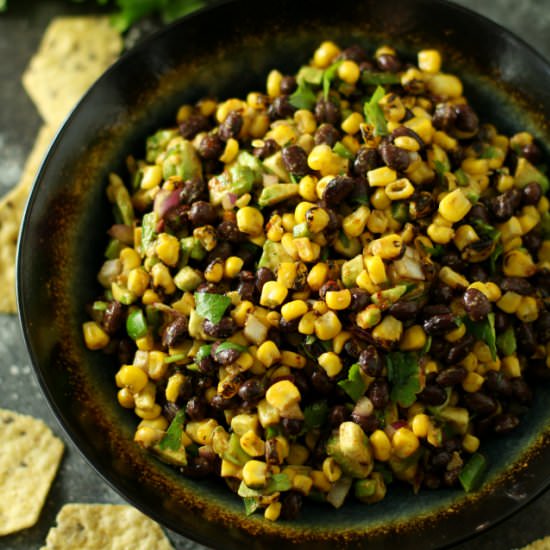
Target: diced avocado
x,y
242,179
351,270
527,173
188,279
273,254
301,230
339,491
218,187
385,298
351,449
253,163
119,196
182,160
457,417
122,294
370,490
346,246
234,452
193,248
157,143
179,457
275,165
276,193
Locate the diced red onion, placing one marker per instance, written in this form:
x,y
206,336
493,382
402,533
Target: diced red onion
x,y
165,201
123,233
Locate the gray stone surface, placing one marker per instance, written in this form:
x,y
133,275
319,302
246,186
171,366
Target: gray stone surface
x,y
20,32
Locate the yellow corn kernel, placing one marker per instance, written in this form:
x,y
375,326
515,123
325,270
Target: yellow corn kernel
x,y
387,247
167,249
289,246
138,281
161,277
268,353
150,297
302,483
420,425
297,455
149,414
243,423
543,205
365,282
252,444
404,442
352,123
286,273
152,176
475,167
282,395
429,61
414,338
407,143
327,326
456,334
331,363
399,189
381,445
240,313
156,367
233,266
147,436
230,151
528,310
354,224
348,71
173,386
379,199
381,177
376,269
273,84
307,323
454,206
452,278
273,294
368,317
464,236
301,210
125,398
145,343
229,469
94,336
255,474
293,359
307,251
445,86
274,228
339,341
317,218
472,382
511,366
307,188
423,127
331,469
324,55
317,276
130,259
389,329
470,443
320,481
338,299
305,121
431,366
320,307
214,271
250,220
518,263
273,511
131,377
200,431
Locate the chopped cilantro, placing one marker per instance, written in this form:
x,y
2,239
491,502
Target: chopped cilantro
x,y
315,415
486,229
427,346
495,255
204,351
441,168
374,78
340,149
490,152
251,504
311,75
461,178
303,97
172,438
354,386
484,331
506,342
328,76
211,306
231,345
174,358
374,114
404,375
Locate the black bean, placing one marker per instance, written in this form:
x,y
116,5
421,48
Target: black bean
x,y
169,410
263,275
174,331
335,221
503,206
211,147
435,309
456,156
450,477
478,212
337,190
543,327
454,261
532,193
525,338
396,158
252,390
404,310
321,382
113,317
227,356
126,350
337,415
292,426
366,159
202,213
440,459
439,348
196,123
460,349
288,85
326,133
221,251
379,393
295,160
291,504
505,423
431,481
466,119
441,292
444,117
353,348
480,403
196,408
287,327
371,362
359,299
224,329
329,286
432,395
531,152
368,423
438,324
518,285
354,53
476,271
476,304
388,62
193,190
422,205
231,126
246,290
198,467
219,402
497,384
451,376
327,111
281,108
532,241
229,231
502,322
521,390
403,131
269,147
453,444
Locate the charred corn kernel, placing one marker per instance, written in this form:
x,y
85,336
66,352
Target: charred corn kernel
x,y
348,71
250,220
273,511
454,206
339,341
268,353
470,443
147,437
286,273
293,359
331,363
229,469
456,334
282,395
230,151
404,442
273,84
240,313
354,224
149,414
320,481
301,210
324,55
352,123
472,382
305,121
475,167
130,259
518,263
429,61
388,330
307,188
376,269
274,228
152,176
465,235
338,299
331,469
407,143
125,398
511,366
131,377
150,297
387,247
452,278
381,177
317,219
445,86
528,310
233,266
381,445
368,317
317,276
214,271
379,199
307,251
414,338
255,474
94,336
173,386
420,425
273,294
138,281
399,189
168,249
243,423
145,343
200,431
327,326
161,277
307,323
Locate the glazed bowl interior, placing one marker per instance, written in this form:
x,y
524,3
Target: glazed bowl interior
x,y
222,52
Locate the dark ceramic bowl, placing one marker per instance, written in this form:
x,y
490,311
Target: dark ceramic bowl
x,y
224,51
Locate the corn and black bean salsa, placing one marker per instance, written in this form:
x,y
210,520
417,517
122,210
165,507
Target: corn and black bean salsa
x,y
330,286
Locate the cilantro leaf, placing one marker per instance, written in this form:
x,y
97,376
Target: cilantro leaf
x,y
311,75
328,76
303,97
495,255
486,229
340,149
204,351
404,375
315,415
172,438
251,504
484,331
211,306
231,345
490,152
506,342
371,78
374,114
441,168
354,386
461,178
